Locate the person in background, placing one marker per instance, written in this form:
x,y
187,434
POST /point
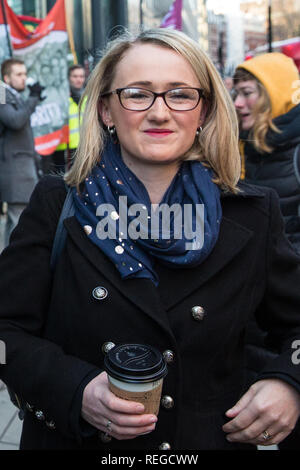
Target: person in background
x,y
65,151
269,115
18,172
228,82
269,118
159,130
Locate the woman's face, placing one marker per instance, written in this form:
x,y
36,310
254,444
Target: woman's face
x,y
247,94
159,134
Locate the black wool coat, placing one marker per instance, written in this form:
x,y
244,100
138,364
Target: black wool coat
x,y
55,329
279,169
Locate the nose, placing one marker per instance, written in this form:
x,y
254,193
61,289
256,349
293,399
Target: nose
x,y
239,101
159,110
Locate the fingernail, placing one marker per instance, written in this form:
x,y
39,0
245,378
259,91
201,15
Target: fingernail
x,y
153,419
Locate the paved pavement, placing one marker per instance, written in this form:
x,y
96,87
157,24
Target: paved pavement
x,y
10,424
2,222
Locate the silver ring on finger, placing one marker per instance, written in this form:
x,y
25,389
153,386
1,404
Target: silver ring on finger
x,y
108,426
266,436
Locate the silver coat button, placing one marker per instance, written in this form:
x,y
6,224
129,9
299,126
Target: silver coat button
x,y
30,407
50,424
168,356
167,402
164,446
107,346
40,415
198,313
99,293
104,437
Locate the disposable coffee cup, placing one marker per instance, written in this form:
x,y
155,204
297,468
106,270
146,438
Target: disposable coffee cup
x,y
136,373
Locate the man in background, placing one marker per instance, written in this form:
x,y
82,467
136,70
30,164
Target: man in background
x,y
18,174
65,152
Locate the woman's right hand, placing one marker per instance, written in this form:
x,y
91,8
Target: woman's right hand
x,y
100,406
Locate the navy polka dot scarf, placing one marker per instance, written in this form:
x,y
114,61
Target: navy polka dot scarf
x,y
115,212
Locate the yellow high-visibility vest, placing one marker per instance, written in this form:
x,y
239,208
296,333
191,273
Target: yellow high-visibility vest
x,y
74,125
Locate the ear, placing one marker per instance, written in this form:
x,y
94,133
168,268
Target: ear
x,y
203,112
6,79
104,112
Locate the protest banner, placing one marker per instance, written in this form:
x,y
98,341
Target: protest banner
x,y
44,51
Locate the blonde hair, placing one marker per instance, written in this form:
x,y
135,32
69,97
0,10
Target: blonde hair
x,y
217,144
261,112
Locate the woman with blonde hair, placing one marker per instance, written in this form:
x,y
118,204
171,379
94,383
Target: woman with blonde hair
x,y
220,114
159,142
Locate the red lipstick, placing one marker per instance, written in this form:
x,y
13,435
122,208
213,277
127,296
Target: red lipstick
x,y
158,132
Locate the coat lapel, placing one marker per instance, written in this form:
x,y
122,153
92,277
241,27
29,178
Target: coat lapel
x,y
232,239
141,292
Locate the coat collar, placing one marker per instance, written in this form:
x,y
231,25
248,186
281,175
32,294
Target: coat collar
x,y
245,191
13,94
184,283
141,292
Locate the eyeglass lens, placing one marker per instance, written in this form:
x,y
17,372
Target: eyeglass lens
x,y
180,99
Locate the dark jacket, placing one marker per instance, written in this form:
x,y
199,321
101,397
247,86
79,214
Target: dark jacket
x,y
18,175
277,170
54,329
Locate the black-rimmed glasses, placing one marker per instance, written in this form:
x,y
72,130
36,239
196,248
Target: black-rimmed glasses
x,y
141,99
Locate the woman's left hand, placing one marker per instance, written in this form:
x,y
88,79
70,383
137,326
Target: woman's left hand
x,y
265,415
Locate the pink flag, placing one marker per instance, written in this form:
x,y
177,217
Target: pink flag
x,y
173,18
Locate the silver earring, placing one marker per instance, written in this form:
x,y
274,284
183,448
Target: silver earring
x,y
113,134
198,131
112,131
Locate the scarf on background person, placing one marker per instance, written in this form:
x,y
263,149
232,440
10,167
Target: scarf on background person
x,y
76,94
110,179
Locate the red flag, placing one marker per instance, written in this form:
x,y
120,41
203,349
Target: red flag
x,y
173,18
5,42
44,52
30,22
21,37
293,51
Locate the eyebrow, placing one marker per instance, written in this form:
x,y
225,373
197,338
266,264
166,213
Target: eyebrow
x,y
148,83
245,87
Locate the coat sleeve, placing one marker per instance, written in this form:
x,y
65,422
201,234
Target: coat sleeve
x,y
279,313
36,369
16,117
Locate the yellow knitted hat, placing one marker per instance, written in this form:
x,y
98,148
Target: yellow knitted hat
x,y
278,73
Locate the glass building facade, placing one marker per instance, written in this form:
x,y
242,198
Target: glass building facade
x,y
23,7
93,22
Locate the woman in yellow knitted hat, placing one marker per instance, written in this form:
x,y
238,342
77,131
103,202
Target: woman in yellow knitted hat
x,y
268,105
267,100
